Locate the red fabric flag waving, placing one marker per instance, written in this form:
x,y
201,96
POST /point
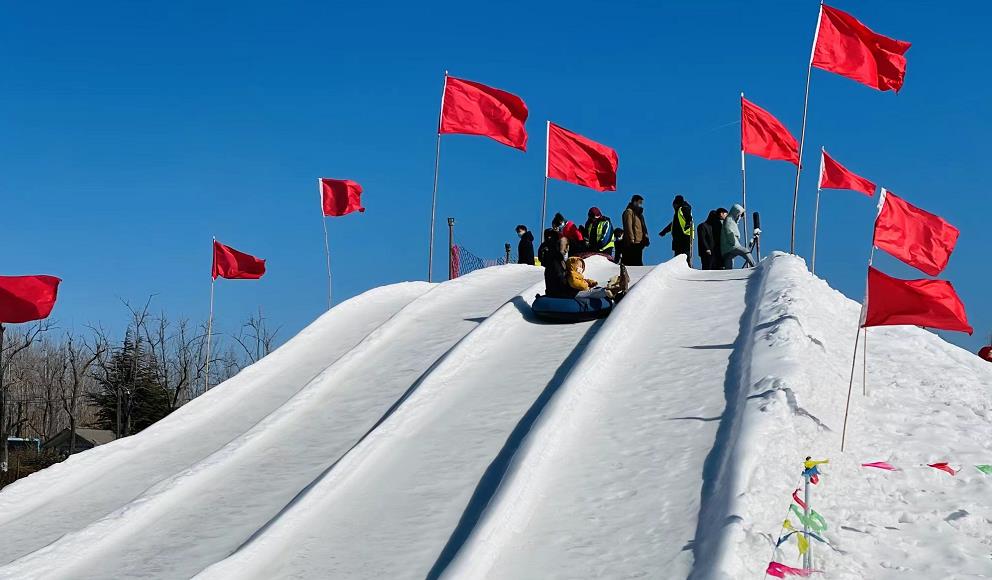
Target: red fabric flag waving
x,y
340,196
833,175
763,135
849,48
576,159
27,298
472,108
943,466
919,238
235,265
930,303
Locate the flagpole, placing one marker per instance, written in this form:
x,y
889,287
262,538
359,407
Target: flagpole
x,y
437,160
802,133
743,172
327,246
210,325
861,322
816,213
544,205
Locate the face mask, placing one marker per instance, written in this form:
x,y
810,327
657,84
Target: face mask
x,y
520,234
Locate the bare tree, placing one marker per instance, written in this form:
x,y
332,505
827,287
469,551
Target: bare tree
x,y
19,344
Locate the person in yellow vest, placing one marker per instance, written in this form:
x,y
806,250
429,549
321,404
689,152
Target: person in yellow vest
x,y
599,232
681,228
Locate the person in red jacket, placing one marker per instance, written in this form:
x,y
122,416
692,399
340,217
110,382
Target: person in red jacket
x,y
570,231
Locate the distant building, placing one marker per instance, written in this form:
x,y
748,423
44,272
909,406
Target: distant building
x,y
85,439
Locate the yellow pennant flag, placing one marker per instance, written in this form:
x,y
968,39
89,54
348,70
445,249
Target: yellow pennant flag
x,y
803,543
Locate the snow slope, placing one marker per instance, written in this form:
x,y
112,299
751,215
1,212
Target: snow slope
x,y
609,485
39,509
206,510
388,508
440,431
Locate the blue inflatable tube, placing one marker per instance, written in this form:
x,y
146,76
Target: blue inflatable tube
x,y
571,309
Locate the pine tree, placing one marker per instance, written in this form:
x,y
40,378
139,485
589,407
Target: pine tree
x,y
128,383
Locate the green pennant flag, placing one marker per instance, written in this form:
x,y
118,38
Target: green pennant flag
x,y
986,469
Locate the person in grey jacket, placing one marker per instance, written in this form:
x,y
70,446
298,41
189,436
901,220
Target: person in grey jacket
x,y
730,240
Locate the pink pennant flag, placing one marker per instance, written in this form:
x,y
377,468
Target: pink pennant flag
x,y
943,466
795,498
880,465
779,570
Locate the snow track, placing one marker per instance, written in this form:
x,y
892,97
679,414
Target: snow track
x,y
609,484
388,509
205,511
69,495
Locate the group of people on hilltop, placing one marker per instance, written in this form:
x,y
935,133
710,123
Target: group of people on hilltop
x,y
718,238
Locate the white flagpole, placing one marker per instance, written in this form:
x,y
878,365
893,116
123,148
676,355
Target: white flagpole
x,y
327,246
802,133
861,322
743,172
816,214
544,205
210,322
437,159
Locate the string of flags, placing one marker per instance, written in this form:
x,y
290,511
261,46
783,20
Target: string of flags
x,y
813,524
942,466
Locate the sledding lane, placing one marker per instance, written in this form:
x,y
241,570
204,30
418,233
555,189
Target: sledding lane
x,y
206,512
584,496
67,496
389,508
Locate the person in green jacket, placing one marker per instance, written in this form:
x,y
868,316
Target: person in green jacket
x,y
730,240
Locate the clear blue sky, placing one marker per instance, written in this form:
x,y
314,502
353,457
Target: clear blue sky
x,y
134,131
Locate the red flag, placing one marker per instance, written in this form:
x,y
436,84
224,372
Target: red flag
x,y
340,196
849,48
576,159
919,238
880,465
471,108
763,135
833,175
943,466
780,570
930,303
27,298
235,265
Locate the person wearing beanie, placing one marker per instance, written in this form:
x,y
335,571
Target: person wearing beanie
x,y
635,232
599,232
681,229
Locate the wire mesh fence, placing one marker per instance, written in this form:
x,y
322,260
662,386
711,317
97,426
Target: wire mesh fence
x,y
463,261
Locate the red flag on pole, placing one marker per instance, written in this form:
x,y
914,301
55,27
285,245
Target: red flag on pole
x,y
930,303
916,237
27,298
576,159
232,264
471,108
847,47
340,196
765,136
833,175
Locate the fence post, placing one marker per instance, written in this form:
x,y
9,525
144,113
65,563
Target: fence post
x,y
507,248
451,244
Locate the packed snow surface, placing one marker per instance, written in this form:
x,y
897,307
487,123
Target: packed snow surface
x,y
441,430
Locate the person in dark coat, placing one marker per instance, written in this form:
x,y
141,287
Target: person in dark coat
x,y
708,238
555,270
525,248
681,228
550,242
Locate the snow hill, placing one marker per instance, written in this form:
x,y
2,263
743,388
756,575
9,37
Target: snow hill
x,y
440,431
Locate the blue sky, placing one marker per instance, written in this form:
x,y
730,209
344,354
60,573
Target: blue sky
x,y
134,131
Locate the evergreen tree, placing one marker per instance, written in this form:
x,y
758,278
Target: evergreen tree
x,y
129,386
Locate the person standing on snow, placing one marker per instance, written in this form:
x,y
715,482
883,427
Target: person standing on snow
x,y
525,248
599,232
635,231
730,240
708,238
681,229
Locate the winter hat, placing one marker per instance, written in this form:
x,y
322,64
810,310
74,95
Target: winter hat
x,y
636,198
557,220
595,213
679,200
